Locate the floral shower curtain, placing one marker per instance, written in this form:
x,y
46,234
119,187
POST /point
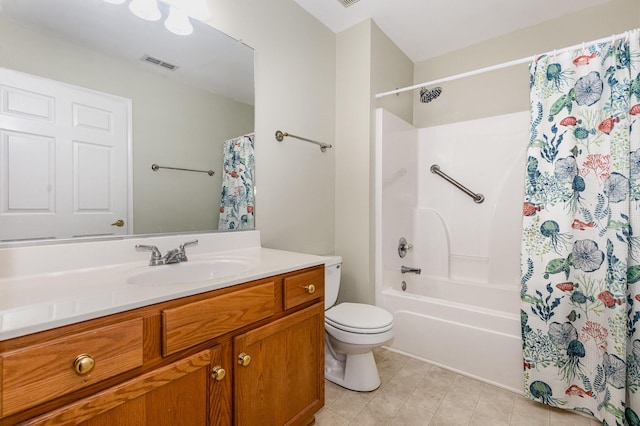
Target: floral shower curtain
x,y
581,232
237,198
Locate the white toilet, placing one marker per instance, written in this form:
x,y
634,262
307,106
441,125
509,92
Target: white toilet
x,y
353,330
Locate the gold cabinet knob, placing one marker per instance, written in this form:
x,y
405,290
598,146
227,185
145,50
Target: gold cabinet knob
x,y
218,373
119,223
83,364
244,359
310,288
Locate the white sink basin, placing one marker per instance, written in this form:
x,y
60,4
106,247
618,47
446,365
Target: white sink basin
x,y
189,272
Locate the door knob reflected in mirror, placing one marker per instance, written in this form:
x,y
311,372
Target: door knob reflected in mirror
x,y
119,223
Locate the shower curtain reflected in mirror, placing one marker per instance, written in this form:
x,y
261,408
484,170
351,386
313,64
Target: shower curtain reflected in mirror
x,y
581,232
237,199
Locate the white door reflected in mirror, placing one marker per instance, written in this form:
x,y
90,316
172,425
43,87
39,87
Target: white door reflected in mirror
x,y
65,167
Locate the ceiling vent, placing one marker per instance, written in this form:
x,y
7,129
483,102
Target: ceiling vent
x,y
159,62
347,3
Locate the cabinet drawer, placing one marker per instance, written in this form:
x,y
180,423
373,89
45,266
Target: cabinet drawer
x,y
39,373
303,287
171,395
197,322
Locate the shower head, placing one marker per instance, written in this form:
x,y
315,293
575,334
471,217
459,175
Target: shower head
x,y
427,95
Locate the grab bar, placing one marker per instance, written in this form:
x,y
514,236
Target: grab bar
x,y
155,168
280,136
477,197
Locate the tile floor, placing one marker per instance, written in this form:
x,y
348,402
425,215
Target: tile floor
x,y
416,393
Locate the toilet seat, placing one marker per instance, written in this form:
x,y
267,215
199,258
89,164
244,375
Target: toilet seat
x,y
359,318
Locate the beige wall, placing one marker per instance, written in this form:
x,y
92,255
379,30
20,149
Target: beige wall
x,y
495,93
173,125
390,69
352,232
316,84
507,90
295,92
366,60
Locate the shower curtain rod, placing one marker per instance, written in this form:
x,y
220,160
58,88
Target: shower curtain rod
x,y
502,65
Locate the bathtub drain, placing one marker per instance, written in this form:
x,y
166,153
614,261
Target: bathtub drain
x,y
404,286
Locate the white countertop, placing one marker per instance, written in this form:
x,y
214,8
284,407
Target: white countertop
x,y
37,302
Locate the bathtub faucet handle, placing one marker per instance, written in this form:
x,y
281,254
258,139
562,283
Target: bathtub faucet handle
x,y
404,247
408,270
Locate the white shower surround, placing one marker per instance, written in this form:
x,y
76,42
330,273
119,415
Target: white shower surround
x,y
462,312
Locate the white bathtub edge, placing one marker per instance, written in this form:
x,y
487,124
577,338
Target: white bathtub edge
x,y
470,348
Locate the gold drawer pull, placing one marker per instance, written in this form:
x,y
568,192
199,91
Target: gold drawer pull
x,y
218,373
244,359
83,364
310,288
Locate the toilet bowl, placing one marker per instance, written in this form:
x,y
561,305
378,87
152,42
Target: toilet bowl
x,y
353,331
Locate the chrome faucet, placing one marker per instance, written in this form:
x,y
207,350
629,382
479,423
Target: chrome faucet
x,y
156,256
173,256
408,270
178,255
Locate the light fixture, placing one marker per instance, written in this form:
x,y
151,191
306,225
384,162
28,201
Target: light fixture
x,y
180,11
178,22
145,9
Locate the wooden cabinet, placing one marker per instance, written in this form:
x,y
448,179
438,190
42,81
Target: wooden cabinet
x,y
172,395
41,372
303,287
192,323
177,362
280,384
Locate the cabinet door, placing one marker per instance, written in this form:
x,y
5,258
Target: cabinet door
x,y
282,384
177,394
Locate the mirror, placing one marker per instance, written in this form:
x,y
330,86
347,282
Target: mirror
x,y
180,117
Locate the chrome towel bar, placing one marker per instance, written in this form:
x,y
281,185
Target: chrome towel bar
x,y
280,136
477,197
155,168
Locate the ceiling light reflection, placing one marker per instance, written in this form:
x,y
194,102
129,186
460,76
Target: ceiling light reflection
x,y
178,22
145,9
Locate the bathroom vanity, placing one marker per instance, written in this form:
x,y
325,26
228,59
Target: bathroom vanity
x,y
245,348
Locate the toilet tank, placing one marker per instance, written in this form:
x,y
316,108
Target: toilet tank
x,y
332,269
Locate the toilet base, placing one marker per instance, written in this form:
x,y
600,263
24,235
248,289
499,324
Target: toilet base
x,y
357,372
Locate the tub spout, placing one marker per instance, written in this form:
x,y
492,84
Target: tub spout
x,y
408,270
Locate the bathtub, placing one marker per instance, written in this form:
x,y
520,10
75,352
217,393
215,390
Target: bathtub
x,y
463,311
468,328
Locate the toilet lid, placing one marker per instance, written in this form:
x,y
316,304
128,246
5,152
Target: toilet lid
x,y
359,318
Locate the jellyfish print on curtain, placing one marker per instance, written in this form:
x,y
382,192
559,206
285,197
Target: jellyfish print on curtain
x,y
581,232
237,199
